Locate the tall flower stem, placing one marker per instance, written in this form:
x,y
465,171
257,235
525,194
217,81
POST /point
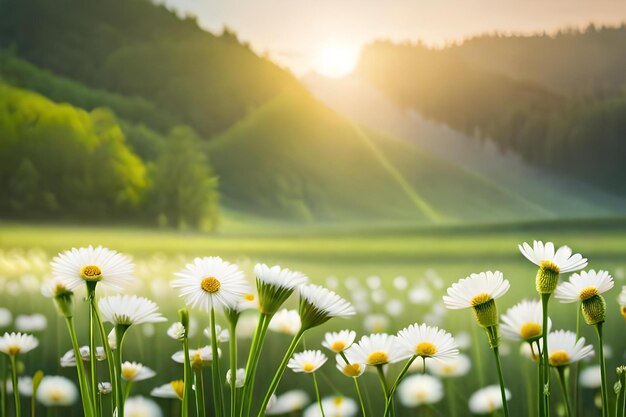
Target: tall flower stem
x,y
199,382
605,394
317,395
280,371
253,362
383,385
218,399
562,381
540,400
232,344
545,298
16,391
3,386
494,342
358,393
88,405
392,391
450,394
120,331
105,345
186,378
93,362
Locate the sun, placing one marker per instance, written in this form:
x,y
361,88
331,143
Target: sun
x,y
336,60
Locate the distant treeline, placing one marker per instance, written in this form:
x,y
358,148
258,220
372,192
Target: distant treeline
x,y
540,96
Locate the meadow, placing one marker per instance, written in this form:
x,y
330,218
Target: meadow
x,y
394,276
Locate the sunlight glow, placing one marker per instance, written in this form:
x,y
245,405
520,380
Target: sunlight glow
x,y
336,60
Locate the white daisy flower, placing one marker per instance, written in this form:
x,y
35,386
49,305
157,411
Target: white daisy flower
x,y
54,287
487,400
174,389
427,342
29,323
85,265
128,310
420,295
339,341
376,323
141,407
337,406
308,361
351,369
564,349
275,285
5,317
15,343
134,371
416,390
289,402
476,289
56,391
523,321
24,386
376,349
247,325
394,307
621,300
68,360
319,304
451,367
223,335
561,260
240,377
176,331
105,388
286,321
198,357
583,286
591,377
463,340
211,283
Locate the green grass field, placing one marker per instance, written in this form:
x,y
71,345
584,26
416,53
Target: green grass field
x,y
430,258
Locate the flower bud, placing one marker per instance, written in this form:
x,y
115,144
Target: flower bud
x,y
594,310
486,313
547,277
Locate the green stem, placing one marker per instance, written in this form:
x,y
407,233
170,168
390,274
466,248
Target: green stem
x,y
120,331
478,356
545,298
540,401
88,407
105,345
186,378
450,395
623,398
576,406
605,395
358,393
218,399
232,344
561,373
16,391
253,362
383,385
93,363
401,375
317,395
280,371
494,342
3,386
200,404
128,389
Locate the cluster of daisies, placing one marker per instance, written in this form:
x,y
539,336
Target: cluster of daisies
x,y
409,365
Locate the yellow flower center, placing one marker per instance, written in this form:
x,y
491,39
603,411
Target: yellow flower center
x,y
55,395
179,387
129,372
623,310
352,369
558,358
91,273
210,285
13,350
530,330
546,264
480,299
338,401
378,358
248,297
308,367
425,349
338,346
588,293
196,360
421,395
448,369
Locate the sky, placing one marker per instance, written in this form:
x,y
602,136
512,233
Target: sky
x,y
326,35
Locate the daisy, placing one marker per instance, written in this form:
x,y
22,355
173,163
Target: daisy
x,y
275,285
289,402
105,388
176,331
376,350
141,407
452,367
5,317
223,335
24,386
93,265
319,304
339,341
487,400
416,390
55,391
591,377
134,371
240,377
128,310
564,349
198,357
427,342
308,361
174,389
583,286
54,287
15,343
211,282
350,369
336,406
29,323
621,300
286,321
523,321
376,323
551,263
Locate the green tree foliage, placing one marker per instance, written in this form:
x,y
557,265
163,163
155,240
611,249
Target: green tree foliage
x,y
185,191
57,159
